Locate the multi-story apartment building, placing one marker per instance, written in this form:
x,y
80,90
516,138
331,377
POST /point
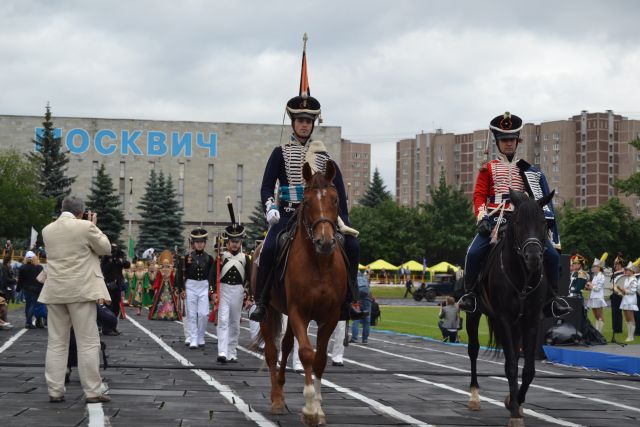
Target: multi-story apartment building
x,y
581,158
356,169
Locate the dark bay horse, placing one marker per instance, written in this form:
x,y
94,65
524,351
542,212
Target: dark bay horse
x,y
512,296
315,286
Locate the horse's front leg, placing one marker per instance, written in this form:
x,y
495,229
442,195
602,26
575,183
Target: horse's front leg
x,y
287,345
306,354
510,340
529,343
473,322
320,362
268,328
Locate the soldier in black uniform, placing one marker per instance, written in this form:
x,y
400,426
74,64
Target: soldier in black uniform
x,y
235,270
112,267
194,281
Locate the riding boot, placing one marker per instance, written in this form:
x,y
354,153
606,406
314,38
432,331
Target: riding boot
x,y
262,295
557,306
469,302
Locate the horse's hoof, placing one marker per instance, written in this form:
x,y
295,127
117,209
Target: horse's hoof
x,y
473,405
279,410
516,422
322,420
311,420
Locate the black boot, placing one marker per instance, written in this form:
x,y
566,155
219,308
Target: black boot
x,y
262,298
469,302
556,306
351,307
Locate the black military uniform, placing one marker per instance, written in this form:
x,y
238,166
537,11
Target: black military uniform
x,y
196,278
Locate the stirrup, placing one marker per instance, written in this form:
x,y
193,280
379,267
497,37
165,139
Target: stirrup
x,y
475,301
567,305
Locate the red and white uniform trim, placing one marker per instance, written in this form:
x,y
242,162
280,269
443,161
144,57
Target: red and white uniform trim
x,y
493,184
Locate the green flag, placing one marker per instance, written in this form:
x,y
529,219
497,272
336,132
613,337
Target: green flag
x,y
132,245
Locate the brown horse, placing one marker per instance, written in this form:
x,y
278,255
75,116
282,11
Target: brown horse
x,y
315,286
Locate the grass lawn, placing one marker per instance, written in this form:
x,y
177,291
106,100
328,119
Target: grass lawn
x,y
423,321
13,306
385,291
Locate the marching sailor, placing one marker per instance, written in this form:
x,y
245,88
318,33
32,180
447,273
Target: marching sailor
x,y
194,282
629,303
285,165
616,295
235,271
491,205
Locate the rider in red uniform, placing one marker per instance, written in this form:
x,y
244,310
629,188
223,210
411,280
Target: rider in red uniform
x,y
492,207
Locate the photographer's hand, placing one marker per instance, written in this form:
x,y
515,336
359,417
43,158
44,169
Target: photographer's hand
x,y
93,217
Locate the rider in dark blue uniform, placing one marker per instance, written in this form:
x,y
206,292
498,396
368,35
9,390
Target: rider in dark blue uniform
x,y
285,167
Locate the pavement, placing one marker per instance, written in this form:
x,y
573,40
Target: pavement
x,y
394,380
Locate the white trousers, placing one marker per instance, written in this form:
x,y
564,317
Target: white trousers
x,y
229,312
197,310
336,344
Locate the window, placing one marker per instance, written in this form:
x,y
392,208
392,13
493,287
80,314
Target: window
x,y
545,147
545,137
94,169
210,189
365,155
556,178
556,136
239,179
583,169
121,184
555,168
181,184
556,147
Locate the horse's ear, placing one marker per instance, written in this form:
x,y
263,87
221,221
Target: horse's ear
x,y
546,199
330,171
516,197
307,173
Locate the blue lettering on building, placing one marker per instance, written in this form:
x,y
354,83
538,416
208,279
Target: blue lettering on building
x,y
108,142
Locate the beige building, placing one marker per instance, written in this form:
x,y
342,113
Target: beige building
x,y
206,161
581,158
356,169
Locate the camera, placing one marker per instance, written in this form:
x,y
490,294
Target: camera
x,y
85,215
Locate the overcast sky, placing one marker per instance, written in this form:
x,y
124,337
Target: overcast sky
x,y
383,70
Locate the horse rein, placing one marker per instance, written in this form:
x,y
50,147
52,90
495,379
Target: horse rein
x,y
309,228
527,289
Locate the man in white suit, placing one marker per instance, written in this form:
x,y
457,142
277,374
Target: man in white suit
x,y
74,283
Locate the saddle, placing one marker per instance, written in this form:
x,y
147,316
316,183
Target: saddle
x,y
283,247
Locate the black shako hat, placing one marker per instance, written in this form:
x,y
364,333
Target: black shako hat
x,y
303,106
234,231
506,126
199,235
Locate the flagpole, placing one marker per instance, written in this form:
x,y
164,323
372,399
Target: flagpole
x,y
129,213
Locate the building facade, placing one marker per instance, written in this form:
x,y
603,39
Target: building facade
x,y
356,169
206,161
581,157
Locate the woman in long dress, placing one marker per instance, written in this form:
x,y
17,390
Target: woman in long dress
x,y
165,300
596,298
139,288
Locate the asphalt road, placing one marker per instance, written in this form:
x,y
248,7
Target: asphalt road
x,y
394,380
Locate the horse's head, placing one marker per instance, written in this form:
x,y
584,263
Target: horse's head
x,y
529,227
319,214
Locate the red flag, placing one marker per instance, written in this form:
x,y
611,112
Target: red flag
x,y
304,77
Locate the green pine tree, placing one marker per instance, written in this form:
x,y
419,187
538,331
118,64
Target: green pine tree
x,y
51,163
376,192
450,216
257,225
104,200
173,216
152,226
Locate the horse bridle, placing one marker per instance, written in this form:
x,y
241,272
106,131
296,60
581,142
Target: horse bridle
x,y
309,228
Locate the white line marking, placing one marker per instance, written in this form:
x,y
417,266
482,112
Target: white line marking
x,y
224,390
530,412
96,414
578,396
12,340
379,407
612,384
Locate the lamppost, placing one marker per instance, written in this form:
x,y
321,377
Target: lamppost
x,y
348,196
129,213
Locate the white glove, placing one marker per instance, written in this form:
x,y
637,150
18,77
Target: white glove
x,y
273,216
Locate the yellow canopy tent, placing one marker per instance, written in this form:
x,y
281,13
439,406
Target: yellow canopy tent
x,y
382,264
362,267
443,267
412,265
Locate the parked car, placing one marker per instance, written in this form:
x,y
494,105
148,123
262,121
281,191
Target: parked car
x,y
443,284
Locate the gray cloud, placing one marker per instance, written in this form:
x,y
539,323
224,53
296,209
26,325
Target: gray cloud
x,y
382,70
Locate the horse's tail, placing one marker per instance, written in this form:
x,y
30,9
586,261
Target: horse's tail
x,y
274,326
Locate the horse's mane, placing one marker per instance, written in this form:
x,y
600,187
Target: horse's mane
x,y
318,180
